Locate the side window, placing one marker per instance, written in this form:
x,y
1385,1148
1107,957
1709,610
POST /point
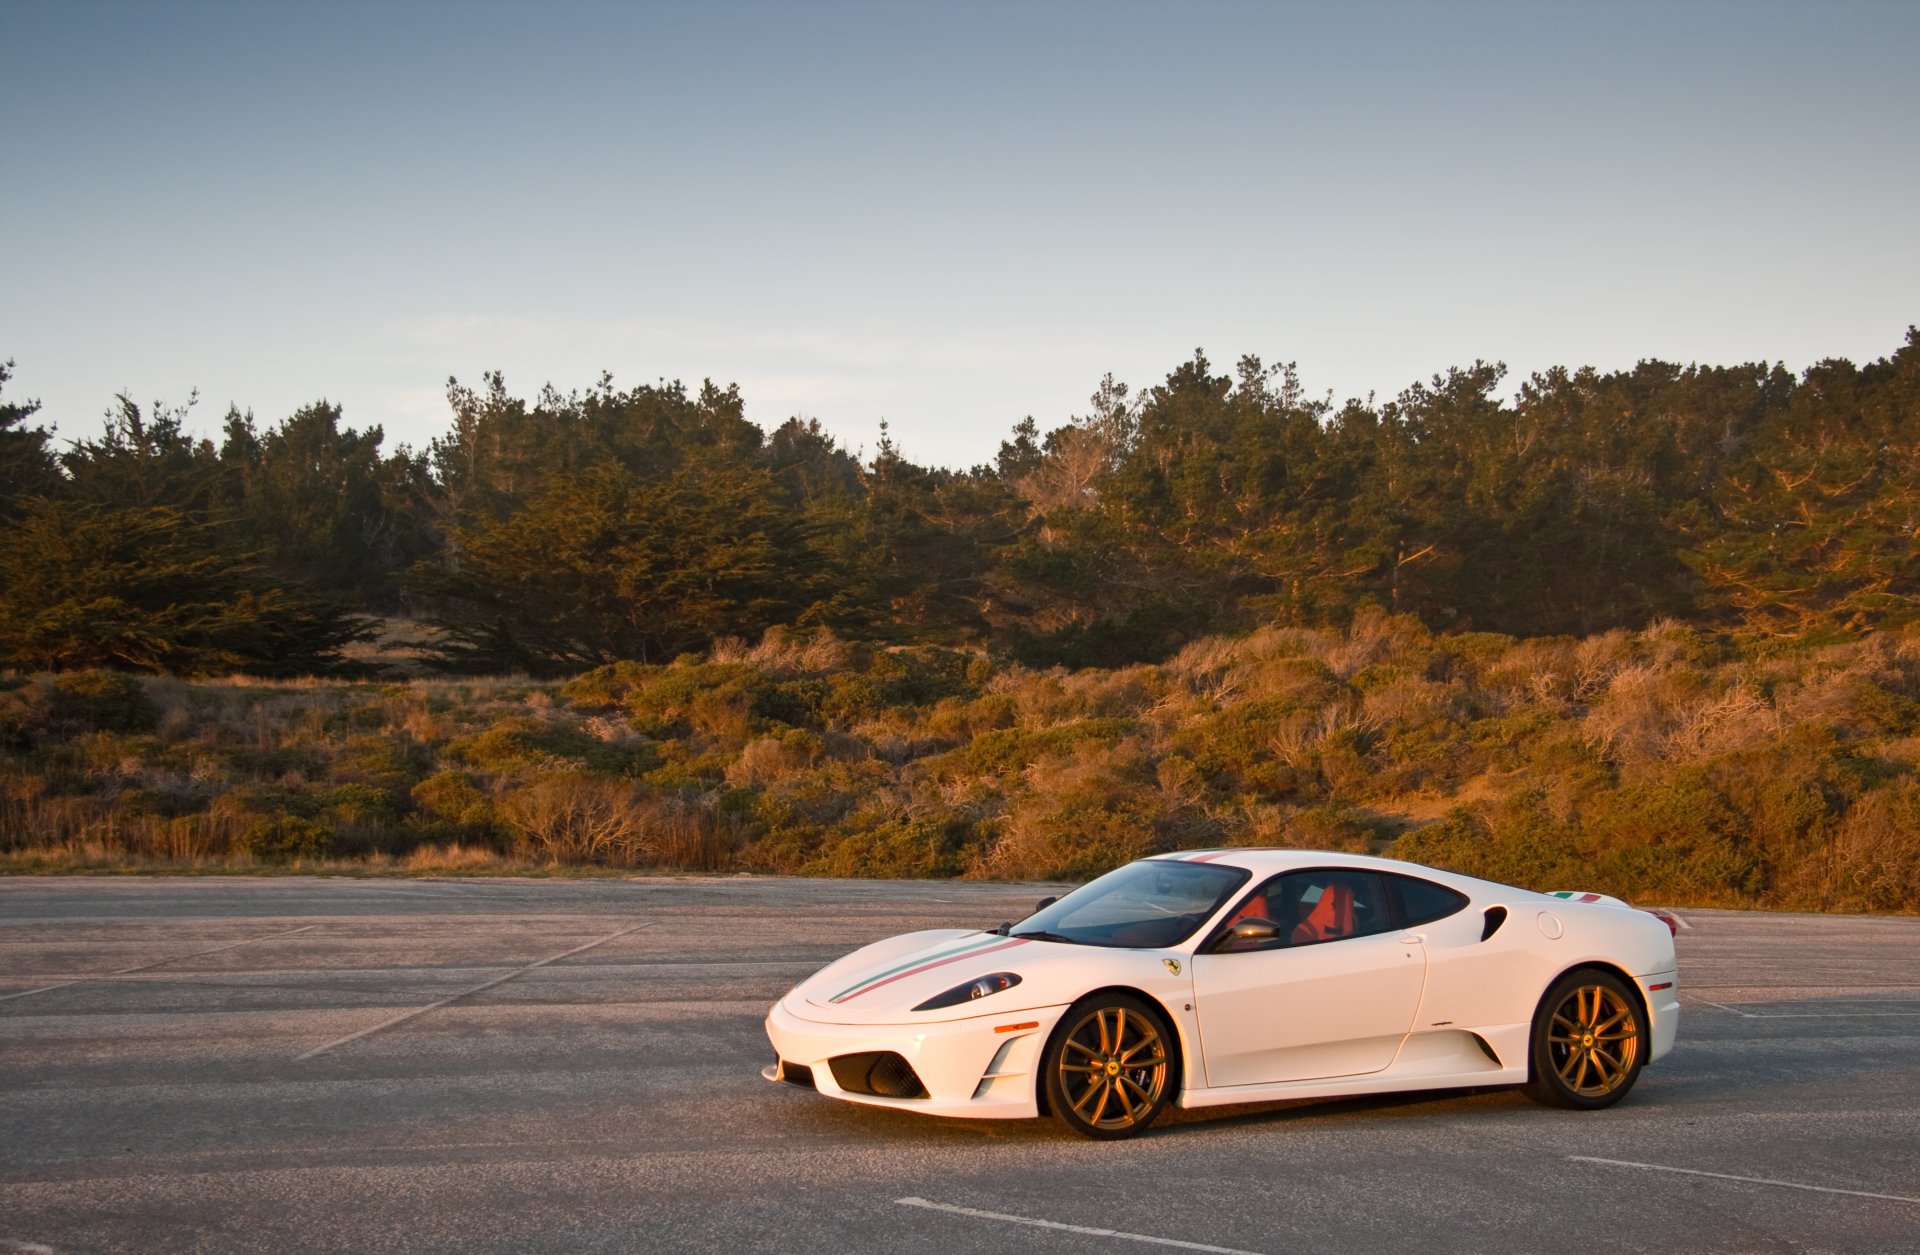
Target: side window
x,y
1422,901
1330,904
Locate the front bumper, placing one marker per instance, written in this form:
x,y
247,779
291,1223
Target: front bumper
x,y
981,1068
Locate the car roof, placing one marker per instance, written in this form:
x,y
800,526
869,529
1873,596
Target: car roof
x,y
1268,861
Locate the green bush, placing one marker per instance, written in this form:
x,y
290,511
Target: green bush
x,y
102,701
281,838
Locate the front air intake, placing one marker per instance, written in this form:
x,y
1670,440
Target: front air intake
x,y
881,1073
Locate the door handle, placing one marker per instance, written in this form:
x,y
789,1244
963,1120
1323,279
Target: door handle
x,y
1413,939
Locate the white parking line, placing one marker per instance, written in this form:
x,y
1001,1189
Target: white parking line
x,y
1815,1015
1728,1176
142,967
285,973
404,1016
977,1214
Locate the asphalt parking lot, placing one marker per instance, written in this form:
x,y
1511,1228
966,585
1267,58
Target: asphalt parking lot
x,y
542,1066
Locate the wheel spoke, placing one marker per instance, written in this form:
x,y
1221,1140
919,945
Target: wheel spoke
x,y
1088,1051
1139,1046
1095,1086
1134,1111
1565,1023
1565,1068
1580,1078
1081,1069
1610,1021
1100,1108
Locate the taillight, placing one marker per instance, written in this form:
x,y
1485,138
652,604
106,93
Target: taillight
x,y
1665,917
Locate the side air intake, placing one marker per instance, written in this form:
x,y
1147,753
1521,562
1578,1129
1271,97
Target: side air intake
x,y
1496,916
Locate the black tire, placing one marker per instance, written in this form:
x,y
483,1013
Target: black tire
x,y
1108,1070
1589,1042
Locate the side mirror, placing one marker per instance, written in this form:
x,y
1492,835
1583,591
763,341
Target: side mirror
x,y
1249,934
1043,904
1253,928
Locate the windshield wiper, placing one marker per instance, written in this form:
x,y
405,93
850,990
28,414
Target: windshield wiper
x,y
1046,936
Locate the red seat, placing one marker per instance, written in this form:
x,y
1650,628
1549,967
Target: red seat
x,y
1332,916
1254,907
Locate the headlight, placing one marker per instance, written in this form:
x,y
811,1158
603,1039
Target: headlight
x,y
978,988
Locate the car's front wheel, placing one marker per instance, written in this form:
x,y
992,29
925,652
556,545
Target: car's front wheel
x,y
1108,1067
1589,1042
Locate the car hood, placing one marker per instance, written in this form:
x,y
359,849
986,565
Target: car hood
x,y
882,983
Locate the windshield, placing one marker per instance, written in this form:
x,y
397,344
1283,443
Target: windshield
x,y
1141,906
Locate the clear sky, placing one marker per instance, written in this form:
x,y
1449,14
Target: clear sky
x,y
947,216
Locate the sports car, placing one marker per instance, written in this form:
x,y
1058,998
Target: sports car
x,y
1208,977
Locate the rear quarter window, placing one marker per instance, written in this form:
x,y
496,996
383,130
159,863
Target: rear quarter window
x,y
1422,901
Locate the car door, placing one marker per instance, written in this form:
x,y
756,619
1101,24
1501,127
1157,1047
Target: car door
x,y
1333,994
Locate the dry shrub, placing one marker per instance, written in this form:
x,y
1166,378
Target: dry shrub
x,y
1410,701
1653,715
1037,699
722,714
1305,735
1540,672
1094,694
773,758
452,857
784,653
1294,681
687,837
1737,719
1080,813
1376,636
1597,659
577,819
1206,666
1876,854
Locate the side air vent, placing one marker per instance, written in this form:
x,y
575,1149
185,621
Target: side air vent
x,y
1496,916
797,1074
881,1073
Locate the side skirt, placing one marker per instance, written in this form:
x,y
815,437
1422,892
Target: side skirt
x,y
1427,1062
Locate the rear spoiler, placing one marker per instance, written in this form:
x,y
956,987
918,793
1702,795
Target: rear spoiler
x,y
1601,899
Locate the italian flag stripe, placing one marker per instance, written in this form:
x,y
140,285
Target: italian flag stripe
x,y
915,971
959,952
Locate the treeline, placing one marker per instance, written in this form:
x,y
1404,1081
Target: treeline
x,y
573,530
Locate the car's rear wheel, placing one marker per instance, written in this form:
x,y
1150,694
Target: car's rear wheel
x,y
1108,1067
1589,1042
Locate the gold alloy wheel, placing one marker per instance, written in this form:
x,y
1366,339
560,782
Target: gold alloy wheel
x,y
1594,1040
1113,1068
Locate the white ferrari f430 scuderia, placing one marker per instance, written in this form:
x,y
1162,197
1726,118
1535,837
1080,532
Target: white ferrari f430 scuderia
x,y
1234,976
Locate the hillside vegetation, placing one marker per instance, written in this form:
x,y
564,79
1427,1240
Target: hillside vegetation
x,y
1652,631
1666,764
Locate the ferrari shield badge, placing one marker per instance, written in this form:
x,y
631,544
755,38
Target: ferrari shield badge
x,y
1173,965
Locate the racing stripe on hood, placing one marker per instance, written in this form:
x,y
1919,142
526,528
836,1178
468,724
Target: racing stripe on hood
x,y
916,966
